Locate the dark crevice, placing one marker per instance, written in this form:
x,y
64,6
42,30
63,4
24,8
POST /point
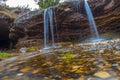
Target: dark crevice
x,y
4,35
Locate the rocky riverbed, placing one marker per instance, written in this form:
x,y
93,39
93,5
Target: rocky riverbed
x,y
101,45
86,61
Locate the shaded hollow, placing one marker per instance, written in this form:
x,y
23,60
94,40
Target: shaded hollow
x,y
4,34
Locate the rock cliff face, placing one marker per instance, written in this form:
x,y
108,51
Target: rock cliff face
x,y
71,22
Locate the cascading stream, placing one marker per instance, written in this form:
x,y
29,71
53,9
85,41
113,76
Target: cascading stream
x,y
94,31
48,28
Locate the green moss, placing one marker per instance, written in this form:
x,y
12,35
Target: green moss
x,y
68,56
32,48
4,55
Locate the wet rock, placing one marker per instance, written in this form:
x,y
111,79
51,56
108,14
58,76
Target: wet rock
x,y
102,74
115,65
101,51
20,74
118,47
46,78
23,49
91,78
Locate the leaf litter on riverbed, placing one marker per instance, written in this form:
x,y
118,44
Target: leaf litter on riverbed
x,y
82,64
74,64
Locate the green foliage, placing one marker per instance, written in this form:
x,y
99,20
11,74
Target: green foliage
x,y
68,56
32,48
47,3
5,55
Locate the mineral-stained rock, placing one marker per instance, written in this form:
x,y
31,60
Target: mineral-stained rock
x,y
71,24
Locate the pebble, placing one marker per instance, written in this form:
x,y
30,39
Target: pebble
x,y
91,79
23,49
118,47
81,78
115,65
46,78
102,74
101,51
117,52
20,74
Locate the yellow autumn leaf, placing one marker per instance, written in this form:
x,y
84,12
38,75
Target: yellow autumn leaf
x,y
5,77
35,71
34,65
25,69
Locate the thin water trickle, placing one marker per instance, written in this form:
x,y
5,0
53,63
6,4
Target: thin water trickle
x,y
92,23
48,27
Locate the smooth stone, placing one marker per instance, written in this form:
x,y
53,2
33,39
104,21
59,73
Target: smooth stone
x,y
115,65
118,47
23,50
46,78
20,74
102,74
101,51
117,52
81,78
91,79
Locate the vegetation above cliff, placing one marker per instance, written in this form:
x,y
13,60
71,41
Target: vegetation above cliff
x,y
46,3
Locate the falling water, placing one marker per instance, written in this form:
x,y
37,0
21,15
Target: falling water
x,y
92,24
49,15
48,27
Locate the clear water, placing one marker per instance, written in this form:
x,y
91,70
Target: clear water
x,y
96,39
93,40
48,27
93,28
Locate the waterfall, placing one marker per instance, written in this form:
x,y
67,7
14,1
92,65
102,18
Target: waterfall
x,y
94,31
48,28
